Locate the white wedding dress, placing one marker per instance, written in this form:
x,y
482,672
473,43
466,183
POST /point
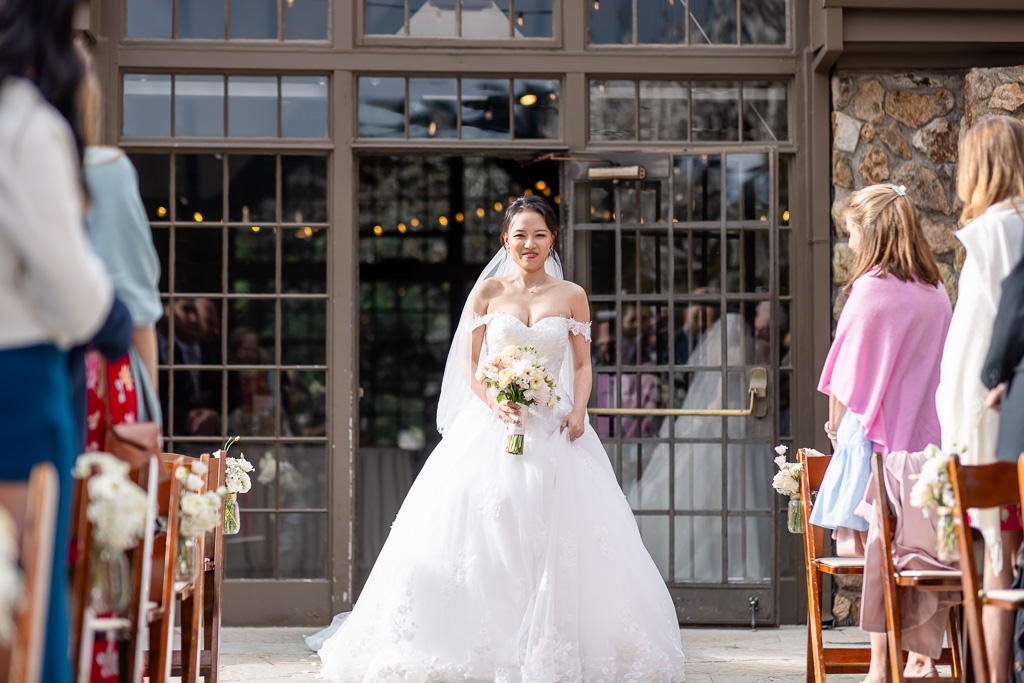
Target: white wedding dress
x,y
512,568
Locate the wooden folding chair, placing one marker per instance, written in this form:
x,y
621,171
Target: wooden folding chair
x,y
981,486
185,661
33,506
821,660
212,573
893,580
214,582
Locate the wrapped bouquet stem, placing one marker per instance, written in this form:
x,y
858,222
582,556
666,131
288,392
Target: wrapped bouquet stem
x,y
516,433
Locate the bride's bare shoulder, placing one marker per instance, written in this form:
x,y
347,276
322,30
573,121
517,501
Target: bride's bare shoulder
x,y
568,288
485,291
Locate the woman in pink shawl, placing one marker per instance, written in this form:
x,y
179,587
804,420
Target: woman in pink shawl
x,y
881,374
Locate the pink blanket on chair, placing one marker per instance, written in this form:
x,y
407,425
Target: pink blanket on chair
x,y
884,362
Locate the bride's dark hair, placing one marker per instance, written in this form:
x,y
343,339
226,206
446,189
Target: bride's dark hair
x,y
531,202
36,43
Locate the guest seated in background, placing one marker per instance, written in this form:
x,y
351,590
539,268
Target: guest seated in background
x,y
880,375
197,393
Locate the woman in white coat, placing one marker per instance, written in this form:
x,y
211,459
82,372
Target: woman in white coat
x,y
990,182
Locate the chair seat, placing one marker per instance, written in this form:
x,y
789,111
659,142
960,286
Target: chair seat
x,y
930,578
840,565
1009,598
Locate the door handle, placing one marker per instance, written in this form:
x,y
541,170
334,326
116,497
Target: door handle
x,y
758,404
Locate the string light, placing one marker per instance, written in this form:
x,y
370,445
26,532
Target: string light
x,y
540,185
415,222
785,215
401,227
377,230
459,217
497,206
443,220
433,128
255,228
480,212
197,217
307,231
519,19
161,211
528,100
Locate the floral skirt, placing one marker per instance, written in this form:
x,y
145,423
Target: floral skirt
x,y
114,379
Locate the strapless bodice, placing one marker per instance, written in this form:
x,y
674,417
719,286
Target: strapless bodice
x,y
549,336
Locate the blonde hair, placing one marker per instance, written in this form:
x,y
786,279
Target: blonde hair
x,y
90,98
991,165
891,238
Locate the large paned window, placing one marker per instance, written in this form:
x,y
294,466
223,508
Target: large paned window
x,y
243,242
687,22
228,19
697,111
165,105
465,108
427,226
460,18
689,288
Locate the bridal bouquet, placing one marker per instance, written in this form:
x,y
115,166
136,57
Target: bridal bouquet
x,y
520,376
787,482
933,489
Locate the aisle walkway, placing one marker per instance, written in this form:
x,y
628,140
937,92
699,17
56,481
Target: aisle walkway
x,y
712,655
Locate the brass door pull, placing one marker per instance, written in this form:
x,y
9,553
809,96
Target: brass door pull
x,y
758,404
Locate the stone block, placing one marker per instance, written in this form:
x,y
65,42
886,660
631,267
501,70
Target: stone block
x,y
894,140
1009,96
844,262
839,303
867,105
939,140
874,167
839,215
867,133
915,110
941,237
842,91
959,255
842,170
845,131
951,280
923,188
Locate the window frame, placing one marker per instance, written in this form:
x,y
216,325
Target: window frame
x,y
280,40
407,41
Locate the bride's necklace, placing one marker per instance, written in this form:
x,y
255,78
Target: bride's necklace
x,y
531,290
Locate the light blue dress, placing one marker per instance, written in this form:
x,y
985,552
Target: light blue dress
x,y
120,233
846,479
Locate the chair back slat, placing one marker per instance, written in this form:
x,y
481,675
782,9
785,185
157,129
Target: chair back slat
x,y
978,486
33,506
814,469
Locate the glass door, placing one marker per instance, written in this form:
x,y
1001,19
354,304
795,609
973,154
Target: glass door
x,y
679,254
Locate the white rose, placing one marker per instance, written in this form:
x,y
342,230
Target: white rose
x,y
199,468
781,450
193,482
192,504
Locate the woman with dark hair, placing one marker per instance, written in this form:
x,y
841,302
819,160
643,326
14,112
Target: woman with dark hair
x,y
54,292
503,567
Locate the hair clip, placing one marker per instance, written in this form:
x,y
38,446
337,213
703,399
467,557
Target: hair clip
x,y
901,190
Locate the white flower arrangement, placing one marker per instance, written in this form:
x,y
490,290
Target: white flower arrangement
x,y
117,505
932,487
291,479
200,512
10,575
787,479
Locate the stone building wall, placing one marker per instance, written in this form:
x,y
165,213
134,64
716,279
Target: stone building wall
x,y
901,128
905,129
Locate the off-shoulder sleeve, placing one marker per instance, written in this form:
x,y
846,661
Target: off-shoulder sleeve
x,y
576,327
476,321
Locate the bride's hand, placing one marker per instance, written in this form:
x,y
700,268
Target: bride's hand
x,y
575,423
507,411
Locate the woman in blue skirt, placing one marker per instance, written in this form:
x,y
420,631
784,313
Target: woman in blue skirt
x,y
54,292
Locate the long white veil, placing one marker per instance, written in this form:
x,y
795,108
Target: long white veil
x,y
456,391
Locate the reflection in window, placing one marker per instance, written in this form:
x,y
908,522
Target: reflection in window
x,y
243,341
612,110
448,107
427,225
684,110
460,18
209,20
147,105
715,111
198,104
711,22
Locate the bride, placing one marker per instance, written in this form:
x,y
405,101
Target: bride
x,y
514,568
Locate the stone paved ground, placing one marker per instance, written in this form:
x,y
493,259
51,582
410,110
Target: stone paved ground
x,y
712,655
